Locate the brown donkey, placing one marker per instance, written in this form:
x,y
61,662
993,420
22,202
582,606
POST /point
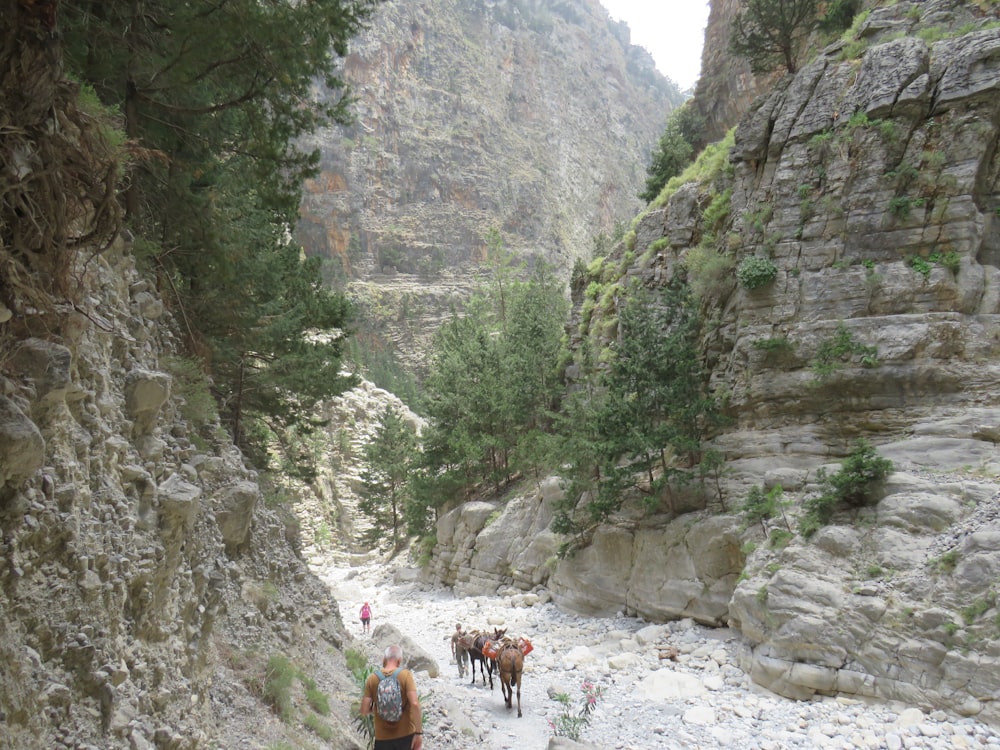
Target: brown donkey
x,y
510,661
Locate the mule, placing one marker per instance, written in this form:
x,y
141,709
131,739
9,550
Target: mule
x,y
475,642
510,663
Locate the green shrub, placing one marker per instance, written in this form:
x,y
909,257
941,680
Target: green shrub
x,y
318,700
901,205
716,213
835,351
950,260
357,665
191,384
760,506
780,538
854,485
711,162
709,271
859,475
570,725
839,16
774,345
978,608
629,239
946,563
755,272
317,725
278,685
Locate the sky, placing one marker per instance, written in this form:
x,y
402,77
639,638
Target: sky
x,y
672,31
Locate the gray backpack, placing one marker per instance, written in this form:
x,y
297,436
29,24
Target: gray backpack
x,y
389,696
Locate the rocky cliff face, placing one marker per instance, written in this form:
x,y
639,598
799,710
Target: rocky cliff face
x,y
726,87
868,186
536,118
143,581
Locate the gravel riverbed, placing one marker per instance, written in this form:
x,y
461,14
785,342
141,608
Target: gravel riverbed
x,y
664,686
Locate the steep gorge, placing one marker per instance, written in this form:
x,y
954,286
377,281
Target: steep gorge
x,y
145,580
533,118
863,192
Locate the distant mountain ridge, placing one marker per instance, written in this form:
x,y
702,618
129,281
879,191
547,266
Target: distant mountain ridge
x,y
533,117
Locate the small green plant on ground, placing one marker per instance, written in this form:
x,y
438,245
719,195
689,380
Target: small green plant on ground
x,y
854,485
323,730
945,563
761,595
755,272
568,724
317,700
278,685
979,607
780,538
360,669
835,351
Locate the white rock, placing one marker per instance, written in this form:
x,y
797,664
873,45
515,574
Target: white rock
x,y
650,634
700,715
625,661
910,717
665,684
579,656
714,682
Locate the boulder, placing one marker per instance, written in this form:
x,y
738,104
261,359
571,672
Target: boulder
x,y
414,657
178,500
234,507
22,447
46,366
145,394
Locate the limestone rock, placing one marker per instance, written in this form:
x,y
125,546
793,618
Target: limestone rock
x,y
22,447
414,658
145,393
47,366
234,507
178,500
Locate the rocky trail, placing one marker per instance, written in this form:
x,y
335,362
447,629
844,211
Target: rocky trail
x,y
662,686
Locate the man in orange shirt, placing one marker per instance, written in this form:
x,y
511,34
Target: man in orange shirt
x,y
407,732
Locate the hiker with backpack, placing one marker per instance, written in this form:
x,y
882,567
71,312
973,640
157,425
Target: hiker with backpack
x,y
391,695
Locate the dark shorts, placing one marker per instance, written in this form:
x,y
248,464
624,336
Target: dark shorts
x,y
403,743
365,620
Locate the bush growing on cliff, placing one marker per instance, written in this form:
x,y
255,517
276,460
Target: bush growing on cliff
x,y
854,485
755,272
709,164
835,351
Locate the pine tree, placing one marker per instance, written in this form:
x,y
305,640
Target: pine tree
x,y
643,426
214,98
770,33
389,459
